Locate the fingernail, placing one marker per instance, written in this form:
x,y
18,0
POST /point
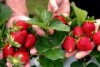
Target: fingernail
x,y
65,14
55,9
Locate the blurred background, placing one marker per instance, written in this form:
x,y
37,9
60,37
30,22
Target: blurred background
x,y
32,4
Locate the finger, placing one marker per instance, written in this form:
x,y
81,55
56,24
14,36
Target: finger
x,y
8,64
10,23
59,2
51,31
33,51
1,54
53,5
98,48
21,17
49,8
27,64
97,24
82,54
38,30
68,54
64,9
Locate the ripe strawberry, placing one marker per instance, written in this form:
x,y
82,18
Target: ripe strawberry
x,y
20,36
30,41
88,28
8,50
22,49
22,24
69,44
96,37
23,55
78,31
61,18
84,44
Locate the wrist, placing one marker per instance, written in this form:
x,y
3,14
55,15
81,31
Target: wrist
x,y
18,7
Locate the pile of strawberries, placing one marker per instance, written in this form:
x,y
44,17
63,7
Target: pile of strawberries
x,y
82,38
19,44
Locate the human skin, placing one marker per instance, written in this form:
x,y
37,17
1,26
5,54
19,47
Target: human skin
x,y
62,7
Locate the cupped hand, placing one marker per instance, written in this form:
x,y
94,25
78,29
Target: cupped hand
x,y
59,7
13,19
81,54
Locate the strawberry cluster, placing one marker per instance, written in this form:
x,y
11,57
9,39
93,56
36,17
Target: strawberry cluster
x,y
81,37
19,44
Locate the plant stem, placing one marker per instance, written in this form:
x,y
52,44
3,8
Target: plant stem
x,y
84,64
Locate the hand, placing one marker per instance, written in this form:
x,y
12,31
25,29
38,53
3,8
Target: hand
x,y
81,54
97,27
13,19
59,7
1,55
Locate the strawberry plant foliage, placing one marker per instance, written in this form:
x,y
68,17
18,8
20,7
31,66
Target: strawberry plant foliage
x,y
45,62
45,21
80,14
5,13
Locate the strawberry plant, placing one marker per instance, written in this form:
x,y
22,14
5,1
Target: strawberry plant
x,y
76,32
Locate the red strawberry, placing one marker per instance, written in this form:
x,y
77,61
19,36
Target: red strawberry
x,y
84,44
8,50
20,36
61,18
88,28
22,49
78,31
30,41
69,44
24,56
22,24
96,37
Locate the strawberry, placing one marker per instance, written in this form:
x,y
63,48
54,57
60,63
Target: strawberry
x,y
20,36
69,44
8,50
96,37
78,31
23,55
88,28
22,48
30,41
22,24
84,44
61,18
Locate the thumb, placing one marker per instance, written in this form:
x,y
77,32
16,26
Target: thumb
x,y
53,6
28,64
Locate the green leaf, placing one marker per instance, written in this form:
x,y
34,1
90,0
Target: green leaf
x,y
45,15
57,25
2,63
92,65
0,33
77,64
54,54
80,14
45,62
58,38
98,59
2,44
43,44
74,23
36,21
5,13
95,53
59,63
